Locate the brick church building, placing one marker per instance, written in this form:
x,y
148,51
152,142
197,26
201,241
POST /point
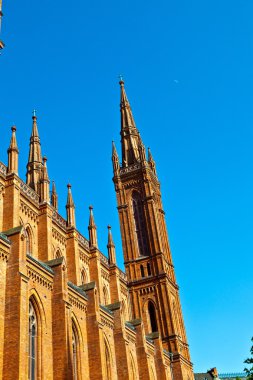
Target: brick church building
x,y
67,312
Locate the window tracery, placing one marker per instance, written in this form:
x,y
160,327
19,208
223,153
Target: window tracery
x,y
32,352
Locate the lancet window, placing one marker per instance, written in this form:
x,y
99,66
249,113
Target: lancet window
x,y
152,317
75,353
140,224
33,337
107,362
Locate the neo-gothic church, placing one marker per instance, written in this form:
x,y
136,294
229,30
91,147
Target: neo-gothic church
x,y
67,312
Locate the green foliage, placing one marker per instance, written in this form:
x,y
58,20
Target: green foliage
x,y
249,371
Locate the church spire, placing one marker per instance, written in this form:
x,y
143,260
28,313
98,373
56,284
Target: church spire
x,y
70,207
111,248
44,184
54,197
92,230
34,166
130,137
13,153
115,160
151,161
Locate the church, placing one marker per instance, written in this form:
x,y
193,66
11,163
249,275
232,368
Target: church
x,y
67,311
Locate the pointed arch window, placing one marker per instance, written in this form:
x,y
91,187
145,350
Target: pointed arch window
x,y
75,352
28,241
149,269
83,277
140,224
132,368
33,337
58,254
142,271
105,295
107,361
152,317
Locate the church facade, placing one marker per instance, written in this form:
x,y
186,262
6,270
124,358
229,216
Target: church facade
x,y
66,310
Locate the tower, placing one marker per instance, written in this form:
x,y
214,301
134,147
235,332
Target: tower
x,y
152,284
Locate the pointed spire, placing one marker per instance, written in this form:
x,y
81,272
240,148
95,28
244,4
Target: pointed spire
x,y
130,137
115,160
92,230
13,152
34,166
151,161
142,152
111,248
44,183
54,197
70,207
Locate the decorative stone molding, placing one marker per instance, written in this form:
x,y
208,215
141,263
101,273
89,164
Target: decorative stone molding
x,y
107,322
3,169
58,237
83,241
28,211
148,290
59,220
124,291
2,188
83,257
104,259
105,275
122,275
39,278
130,168
4,255
74,301
30,193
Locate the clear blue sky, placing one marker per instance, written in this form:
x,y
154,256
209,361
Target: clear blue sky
x,y
188,69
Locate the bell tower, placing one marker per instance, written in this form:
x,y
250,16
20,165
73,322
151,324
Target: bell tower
x,y
147,257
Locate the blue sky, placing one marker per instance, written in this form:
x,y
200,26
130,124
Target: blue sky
x,y
188,69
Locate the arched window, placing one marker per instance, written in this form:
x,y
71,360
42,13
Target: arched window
x,y
142,271
140,224
107,361
149,269
132,368
75,352
105,295
83,276
33,337
152,316
28,241
58,254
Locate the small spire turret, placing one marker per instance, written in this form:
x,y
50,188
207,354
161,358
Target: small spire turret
x,y
34,166
92,230
142,152
44,183
70,207
111,248
13,152
54,197
151,161
115,160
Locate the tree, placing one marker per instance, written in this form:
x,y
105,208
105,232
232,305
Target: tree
x,y
249,371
